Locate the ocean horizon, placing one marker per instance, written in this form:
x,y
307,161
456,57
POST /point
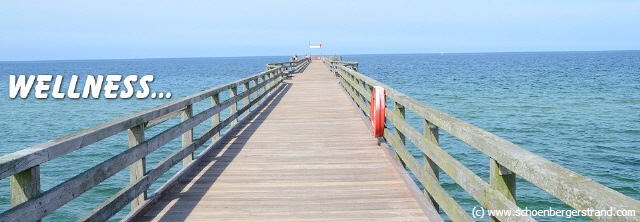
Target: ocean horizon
x,y
288,56
577,109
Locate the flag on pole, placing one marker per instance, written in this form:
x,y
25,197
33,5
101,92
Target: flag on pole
x,y
315,46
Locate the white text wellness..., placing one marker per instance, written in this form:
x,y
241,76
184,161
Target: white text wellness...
x,y
109,86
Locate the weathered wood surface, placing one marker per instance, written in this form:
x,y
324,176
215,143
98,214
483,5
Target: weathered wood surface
x,y
27,158
576,190
307,155
25,185
116,202
47,202
137,169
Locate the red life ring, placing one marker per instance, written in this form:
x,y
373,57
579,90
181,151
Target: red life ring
x,y
377,110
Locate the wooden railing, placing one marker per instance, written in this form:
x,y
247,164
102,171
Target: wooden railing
x,y
23,167
506,160
333,63
290,67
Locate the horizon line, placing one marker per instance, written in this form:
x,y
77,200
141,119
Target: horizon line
x,y
360,54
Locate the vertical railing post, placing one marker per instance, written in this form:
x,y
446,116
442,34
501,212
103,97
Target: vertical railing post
x,y
215,119
25,185
343,76
363,95
278,77
431,134
352,79
353,87
369,89
264,87
275,76
502,180
187,137
137,169
256,93
272,80
268,80
234,107
400,114
247,100
338,74
347,84
356,82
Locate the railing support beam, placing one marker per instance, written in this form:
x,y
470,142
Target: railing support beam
x,y
399,112
503,180
137,169
431,134
233,92
247,100
263,79
187,137
215,119
255,94
25,185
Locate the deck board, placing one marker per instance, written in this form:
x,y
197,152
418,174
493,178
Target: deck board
x,y
306,156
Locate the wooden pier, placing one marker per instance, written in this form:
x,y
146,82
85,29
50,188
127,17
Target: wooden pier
x,y
296,146
306,155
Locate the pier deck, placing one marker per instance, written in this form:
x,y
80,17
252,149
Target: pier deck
x,y
306,155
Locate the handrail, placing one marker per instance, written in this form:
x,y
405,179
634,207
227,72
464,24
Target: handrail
x,y
23,166
332,62
298,66
505,158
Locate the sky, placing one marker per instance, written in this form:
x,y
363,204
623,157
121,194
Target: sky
x,y
75,30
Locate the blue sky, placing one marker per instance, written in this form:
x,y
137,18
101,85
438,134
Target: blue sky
x,y
60,30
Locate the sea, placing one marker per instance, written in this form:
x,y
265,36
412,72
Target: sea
x,y
580,110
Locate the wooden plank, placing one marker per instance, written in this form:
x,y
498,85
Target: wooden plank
x,y
427,206
70,189
163,118
115,203
358,93
429,181
364,106
470,182
576,190
118,201
24,159
106,207
296,157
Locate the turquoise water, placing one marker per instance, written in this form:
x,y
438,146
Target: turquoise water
x,y
578,109
27,122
